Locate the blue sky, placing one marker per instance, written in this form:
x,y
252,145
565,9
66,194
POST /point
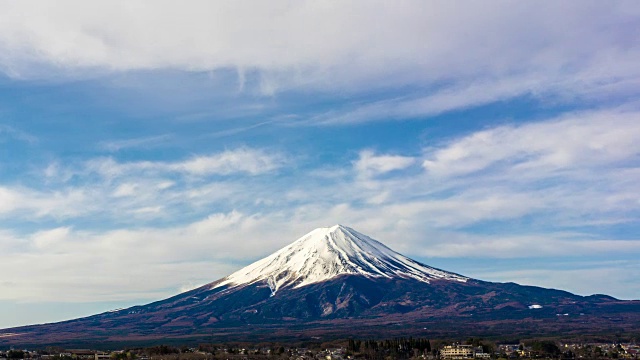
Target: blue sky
x,y
150,148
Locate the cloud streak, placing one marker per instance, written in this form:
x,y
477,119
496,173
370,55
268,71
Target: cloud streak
x,y
370,164
144,142
581,140
241,160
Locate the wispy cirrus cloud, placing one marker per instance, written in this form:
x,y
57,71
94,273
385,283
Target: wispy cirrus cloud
x,y
143,142
241,160
552,88
586,140
61,203
370,163
11,132
568,245
142,190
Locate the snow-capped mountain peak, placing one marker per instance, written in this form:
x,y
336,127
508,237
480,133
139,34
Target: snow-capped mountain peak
x,y
325,253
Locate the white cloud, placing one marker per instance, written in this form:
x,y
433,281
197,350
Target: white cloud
x,y
334,44
565,245
50,240
62,203
148,258
11,132
137,191
144,142
369,163
151,210
454,97
582,140
126,189
9,200
241,160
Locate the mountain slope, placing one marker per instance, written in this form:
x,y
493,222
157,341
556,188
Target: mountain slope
x,y
333,281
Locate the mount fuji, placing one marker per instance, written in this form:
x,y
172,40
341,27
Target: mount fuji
x,y
336,282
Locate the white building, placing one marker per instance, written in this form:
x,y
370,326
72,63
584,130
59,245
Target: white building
x,y
463,352
457,352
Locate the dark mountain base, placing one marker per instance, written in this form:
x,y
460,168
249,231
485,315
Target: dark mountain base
x,y
347,306
623,326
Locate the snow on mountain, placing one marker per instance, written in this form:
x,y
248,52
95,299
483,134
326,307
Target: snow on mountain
x,y
325,253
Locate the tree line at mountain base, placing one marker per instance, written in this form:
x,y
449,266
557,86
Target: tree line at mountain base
x,y
401,348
